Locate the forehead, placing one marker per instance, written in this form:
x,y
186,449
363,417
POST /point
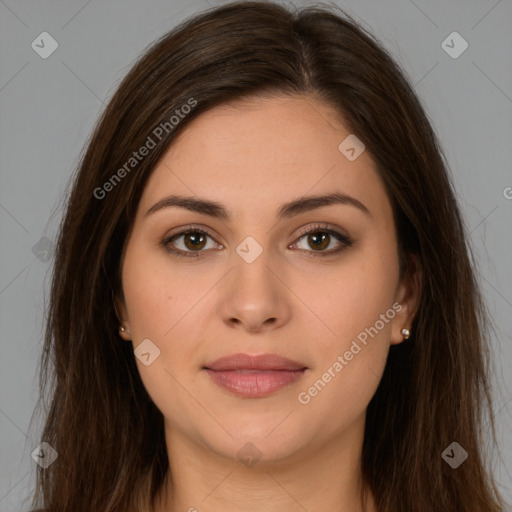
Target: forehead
x,y
254,154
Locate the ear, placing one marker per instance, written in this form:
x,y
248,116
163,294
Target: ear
x,y
408,296
122,316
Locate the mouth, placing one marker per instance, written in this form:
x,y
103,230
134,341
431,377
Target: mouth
x,y
254,376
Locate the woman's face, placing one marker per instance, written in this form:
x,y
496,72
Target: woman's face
x,y
256,284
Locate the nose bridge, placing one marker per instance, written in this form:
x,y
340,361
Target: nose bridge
x,y
252,261
255,296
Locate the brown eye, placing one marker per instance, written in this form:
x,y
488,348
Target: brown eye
x,y
318,239
194,242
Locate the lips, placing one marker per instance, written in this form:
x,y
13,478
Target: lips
x,y
254,376
248,362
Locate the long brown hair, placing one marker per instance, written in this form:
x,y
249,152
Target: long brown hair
x,y
435,390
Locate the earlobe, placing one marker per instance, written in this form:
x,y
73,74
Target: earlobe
x,y
124,333
119,307
408,296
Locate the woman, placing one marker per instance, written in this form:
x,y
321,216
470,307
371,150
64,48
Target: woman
x,y
263,297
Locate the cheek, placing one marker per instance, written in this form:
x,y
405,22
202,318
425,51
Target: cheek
x,y
350,297
163,307
159,298
355,314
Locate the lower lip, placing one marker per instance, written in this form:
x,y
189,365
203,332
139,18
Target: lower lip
x,y
254,383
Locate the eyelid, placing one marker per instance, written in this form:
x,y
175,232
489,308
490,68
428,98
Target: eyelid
x,y
342,238
184,230
322,226
190,227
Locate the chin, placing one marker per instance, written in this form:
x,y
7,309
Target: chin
x,y
260,443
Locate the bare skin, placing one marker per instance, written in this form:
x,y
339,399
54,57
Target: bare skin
x,y
253,157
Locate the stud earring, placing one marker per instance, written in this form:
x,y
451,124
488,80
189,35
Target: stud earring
x,y
406,333
122,328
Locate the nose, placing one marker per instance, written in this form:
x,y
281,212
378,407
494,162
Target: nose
x,y
255,296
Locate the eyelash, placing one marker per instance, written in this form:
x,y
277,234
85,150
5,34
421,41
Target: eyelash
x,y
318,228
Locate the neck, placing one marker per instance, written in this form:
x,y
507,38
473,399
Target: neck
x,y
324,477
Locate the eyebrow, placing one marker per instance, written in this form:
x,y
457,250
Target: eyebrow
x,y
287,210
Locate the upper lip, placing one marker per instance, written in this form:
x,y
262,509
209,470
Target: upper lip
x,y
259,362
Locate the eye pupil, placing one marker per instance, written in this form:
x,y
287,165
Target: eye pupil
x,y
321,237
194,238
318,239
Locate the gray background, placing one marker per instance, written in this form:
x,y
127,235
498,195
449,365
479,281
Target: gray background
x,y
49,106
